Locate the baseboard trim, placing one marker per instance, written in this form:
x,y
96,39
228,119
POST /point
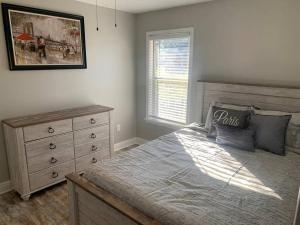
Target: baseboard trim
x,y
5,187
129,142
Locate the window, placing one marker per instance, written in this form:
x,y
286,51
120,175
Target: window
x,y
169,56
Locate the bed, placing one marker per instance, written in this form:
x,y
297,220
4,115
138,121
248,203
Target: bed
x,y
184,178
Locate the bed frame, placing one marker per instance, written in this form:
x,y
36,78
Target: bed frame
x,y
92,205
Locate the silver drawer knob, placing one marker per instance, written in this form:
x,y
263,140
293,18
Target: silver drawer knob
x,y
92,121
54,174
94,148
51,130
94,160
93,136
52,146
53,160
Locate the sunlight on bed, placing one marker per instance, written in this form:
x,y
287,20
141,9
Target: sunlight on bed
x,y
216,162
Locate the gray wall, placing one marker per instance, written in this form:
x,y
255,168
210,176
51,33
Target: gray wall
x,y
244,41
109,79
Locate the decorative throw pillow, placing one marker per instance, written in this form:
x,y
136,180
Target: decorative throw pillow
x,y
293,130
236,137
228,117
209,116
270,132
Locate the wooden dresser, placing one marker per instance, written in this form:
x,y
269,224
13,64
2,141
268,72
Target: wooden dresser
x,y
42,149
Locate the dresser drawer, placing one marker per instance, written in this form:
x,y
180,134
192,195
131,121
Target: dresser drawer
x,y
90,121
86,161
91,135
92,147
47,129
49,160
51,175
60,143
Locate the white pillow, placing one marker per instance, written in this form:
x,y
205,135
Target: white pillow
x,y
223,105
295,119
271,113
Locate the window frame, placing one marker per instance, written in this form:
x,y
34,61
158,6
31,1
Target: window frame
x,y
173,33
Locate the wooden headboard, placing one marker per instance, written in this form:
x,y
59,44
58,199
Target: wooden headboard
x,y
267,98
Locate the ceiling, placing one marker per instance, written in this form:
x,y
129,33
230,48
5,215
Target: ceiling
x,y
140,6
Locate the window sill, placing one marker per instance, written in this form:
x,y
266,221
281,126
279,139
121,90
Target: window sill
x,y
165,123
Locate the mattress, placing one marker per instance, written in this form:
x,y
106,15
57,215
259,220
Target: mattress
x,y
184,178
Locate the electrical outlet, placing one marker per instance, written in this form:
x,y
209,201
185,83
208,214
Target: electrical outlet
x,y
118,127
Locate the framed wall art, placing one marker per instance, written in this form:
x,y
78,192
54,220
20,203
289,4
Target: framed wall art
x,y
39,39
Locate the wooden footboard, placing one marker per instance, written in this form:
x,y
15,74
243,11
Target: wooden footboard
x,y
91,205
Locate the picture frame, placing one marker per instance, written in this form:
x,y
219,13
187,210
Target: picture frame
x,y
39,39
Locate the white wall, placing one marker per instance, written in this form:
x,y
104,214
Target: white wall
x,y
244,41
109,79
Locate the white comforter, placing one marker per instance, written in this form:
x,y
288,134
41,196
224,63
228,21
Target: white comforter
x,y
185,179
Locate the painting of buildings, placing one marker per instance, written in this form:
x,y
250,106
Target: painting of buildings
x,y
45,40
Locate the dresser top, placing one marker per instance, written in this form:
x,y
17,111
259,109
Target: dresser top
x,y
55,116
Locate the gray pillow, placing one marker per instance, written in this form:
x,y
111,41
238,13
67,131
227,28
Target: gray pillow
x,y
292,141
228,117
236,137
270,132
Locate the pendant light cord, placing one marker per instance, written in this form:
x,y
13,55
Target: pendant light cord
x,y
116,13
97,16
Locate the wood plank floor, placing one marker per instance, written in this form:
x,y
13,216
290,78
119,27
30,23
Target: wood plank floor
x,y
47,207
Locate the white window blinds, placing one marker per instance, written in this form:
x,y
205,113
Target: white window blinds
x,y
168,70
